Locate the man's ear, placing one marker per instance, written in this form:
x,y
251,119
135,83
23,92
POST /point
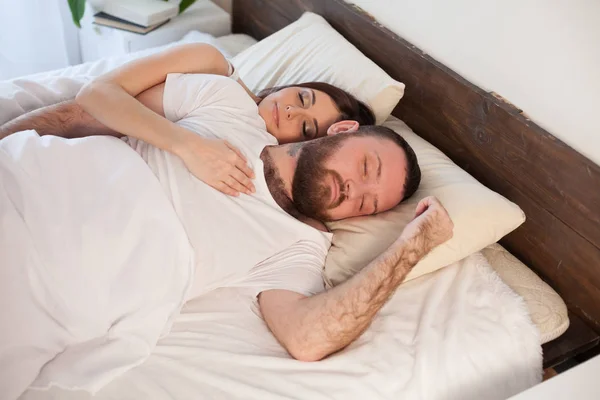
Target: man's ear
x,y
343,126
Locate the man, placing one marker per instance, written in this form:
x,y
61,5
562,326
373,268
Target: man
x,y
263,240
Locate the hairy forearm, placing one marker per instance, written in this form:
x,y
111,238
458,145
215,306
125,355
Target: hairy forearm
x,y
66,119
323,324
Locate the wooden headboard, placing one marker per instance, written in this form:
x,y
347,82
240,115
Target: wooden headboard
x,y
558,188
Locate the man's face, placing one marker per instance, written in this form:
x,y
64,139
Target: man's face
x,y
359,176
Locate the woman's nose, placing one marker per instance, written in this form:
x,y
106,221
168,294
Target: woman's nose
x,y
291,112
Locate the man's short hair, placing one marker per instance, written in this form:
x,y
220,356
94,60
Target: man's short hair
x,y
413,171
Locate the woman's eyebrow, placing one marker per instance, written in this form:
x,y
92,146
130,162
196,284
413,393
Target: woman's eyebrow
x,y
314,98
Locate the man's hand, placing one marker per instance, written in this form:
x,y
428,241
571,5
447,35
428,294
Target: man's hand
x,y
431,226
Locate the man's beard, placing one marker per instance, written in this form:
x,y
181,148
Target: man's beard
x,y
311,187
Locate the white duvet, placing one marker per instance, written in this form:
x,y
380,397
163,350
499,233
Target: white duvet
x,y
95,263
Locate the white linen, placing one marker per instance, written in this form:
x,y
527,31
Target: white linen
x,y
234,238
95,263
21,95
309,49
459,333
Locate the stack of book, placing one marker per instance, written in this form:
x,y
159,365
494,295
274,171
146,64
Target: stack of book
x,y
139,16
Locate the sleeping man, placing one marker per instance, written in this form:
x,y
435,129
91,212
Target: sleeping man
x,y
262,240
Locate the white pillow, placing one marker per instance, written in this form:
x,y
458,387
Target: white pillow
x,y
481,217
311,50
546,308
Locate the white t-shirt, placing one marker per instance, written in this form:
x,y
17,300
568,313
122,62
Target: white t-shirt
x,y
238,241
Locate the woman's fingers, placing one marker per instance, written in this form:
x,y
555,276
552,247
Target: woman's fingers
x,y
241,162
234,184
238,176
223,187
236,151
245,169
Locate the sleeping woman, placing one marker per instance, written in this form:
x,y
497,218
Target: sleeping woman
x,y
128,101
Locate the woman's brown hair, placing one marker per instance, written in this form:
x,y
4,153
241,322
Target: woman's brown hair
x,y
348,106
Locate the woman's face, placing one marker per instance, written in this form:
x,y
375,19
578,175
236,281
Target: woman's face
x,y
296,114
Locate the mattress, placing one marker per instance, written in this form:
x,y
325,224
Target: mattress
x,y
546,308
461,327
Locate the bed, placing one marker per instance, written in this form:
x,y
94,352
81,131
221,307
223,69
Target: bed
x,y
441,326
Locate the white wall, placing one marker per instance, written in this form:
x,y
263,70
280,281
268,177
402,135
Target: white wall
x,y
35,36
541,55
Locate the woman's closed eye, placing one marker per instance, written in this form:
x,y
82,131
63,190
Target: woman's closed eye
x,y
302,101
308,130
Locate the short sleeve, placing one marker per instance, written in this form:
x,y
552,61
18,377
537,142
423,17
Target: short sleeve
x,y
233,72
185,93
298,268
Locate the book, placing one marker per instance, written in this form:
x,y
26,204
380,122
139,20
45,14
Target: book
x,y
141,12
105,19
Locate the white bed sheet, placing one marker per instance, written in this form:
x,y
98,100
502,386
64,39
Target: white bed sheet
x,y
460,333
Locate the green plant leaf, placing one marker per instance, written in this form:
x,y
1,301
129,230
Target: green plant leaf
x,y
77,9
185,4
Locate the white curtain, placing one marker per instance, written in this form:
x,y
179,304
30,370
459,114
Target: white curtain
x,y
36,36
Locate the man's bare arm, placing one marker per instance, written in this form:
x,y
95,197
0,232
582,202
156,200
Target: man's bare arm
x,y
311,328
66,119
69,120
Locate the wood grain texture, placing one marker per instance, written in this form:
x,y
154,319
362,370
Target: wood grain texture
x,y
558,188
575,341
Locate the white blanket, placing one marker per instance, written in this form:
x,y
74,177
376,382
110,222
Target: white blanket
x,y
460,333
95,263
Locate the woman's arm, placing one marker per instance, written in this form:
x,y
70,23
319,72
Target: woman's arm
x,y
110,99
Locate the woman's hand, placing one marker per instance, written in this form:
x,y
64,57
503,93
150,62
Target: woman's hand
x,y
217,163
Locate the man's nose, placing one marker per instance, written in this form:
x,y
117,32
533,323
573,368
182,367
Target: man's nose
x,y
354,190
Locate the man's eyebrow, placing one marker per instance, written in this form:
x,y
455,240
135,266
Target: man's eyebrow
x,y
316,128
314,97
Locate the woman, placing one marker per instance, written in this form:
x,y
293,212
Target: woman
x,y
290,113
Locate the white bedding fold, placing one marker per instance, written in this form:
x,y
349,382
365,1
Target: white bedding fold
x,y
459,333
95,263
